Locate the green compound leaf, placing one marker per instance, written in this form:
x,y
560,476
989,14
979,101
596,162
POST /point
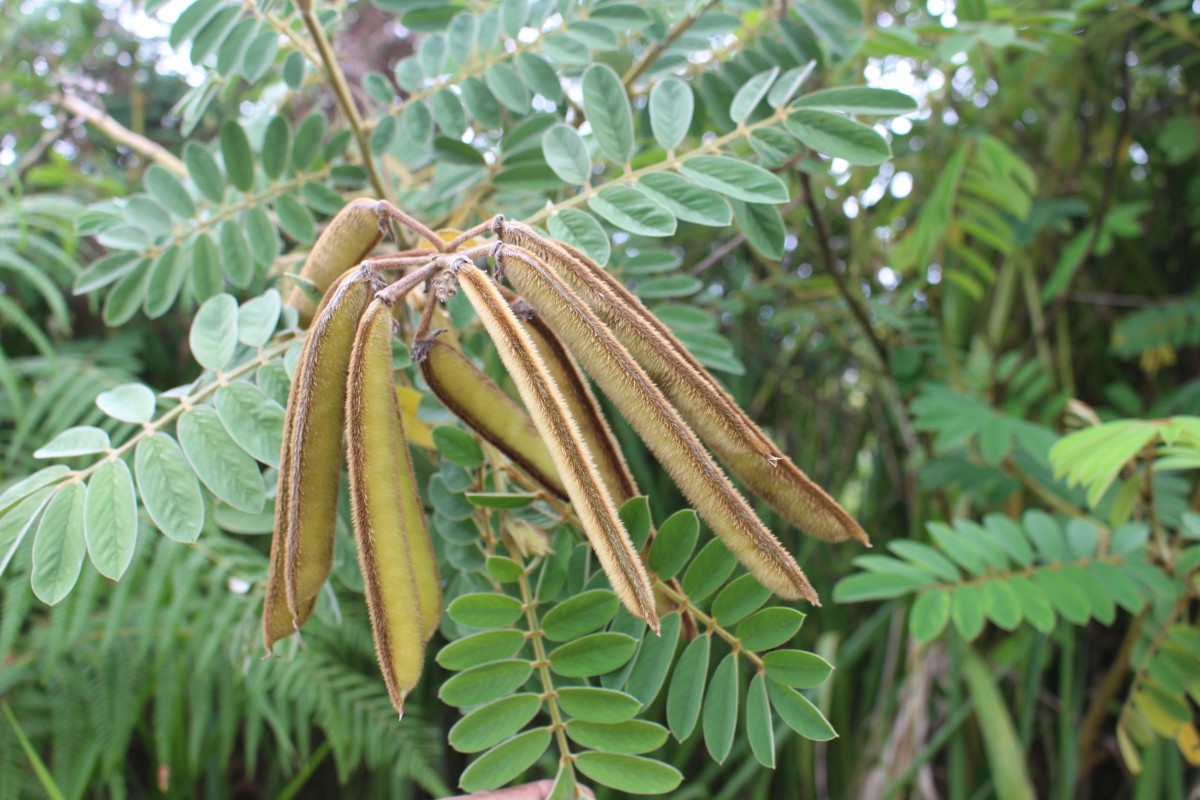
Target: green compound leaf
x,y
839,137
742,597
654,661
505,762
580,229
607,108
721,709
769,628
204,172
110,518
481,648
224,467
799,714
491,724
78,441
485,683
252,419
258,316
859,100
633,210
760,729
751,94
686,200
929,616
129,402
169,488
567,154
630,774
671,107
58,546
238,155
966,610
18,519
597,705
674,543
632,737
708,571
500,500
579,615
796,668
592,655
736,179
213,337
485,610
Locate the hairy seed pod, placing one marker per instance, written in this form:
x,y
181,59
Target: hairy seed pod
x,y
658,424
597,436
278,620
487,409
735,439
591,499
383,495
348,238
311,459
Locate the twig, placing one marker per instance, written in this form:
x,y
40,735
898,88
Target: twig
x,y
1113,679
651,54
341,90
713,258
139,144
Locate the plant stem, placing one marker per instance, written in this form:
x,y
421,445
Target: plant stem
x,y
119,133
651,54
341,90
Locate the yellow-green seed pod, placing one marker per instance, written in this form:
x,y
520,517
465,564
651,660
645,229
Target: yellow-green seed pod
x,y
488,410
720,423
643,405
311,460
545,404
388,521
594,429
348,238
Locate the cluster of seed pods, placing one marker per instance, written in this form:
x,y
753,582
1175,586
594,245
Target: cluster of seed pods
x,y
564,317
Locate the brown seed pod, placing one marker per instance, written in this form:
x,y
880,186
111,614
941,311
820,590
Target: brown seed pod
x,y
487,409
594,429
388,519
658,424
345,242
591,499
278,620
311,459
736,440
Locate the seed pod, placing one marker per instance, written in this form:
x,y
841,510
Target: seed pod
x,y
311,459
487,409
348,238
658,424
701,401
591,499
594,429
388,519
278,620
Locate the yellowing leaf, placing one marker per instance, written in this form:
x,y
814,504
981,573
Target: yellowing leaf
x,y
418,432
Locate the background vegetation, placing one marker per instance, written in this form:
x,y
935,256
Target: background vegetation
x,y
983,345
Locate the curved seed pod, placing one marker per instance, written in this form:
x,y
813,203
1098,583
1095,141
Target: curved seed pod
x,y
311,459
721,424
347,239
278,620
658,424
597,436
592,502
381,498
487,409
